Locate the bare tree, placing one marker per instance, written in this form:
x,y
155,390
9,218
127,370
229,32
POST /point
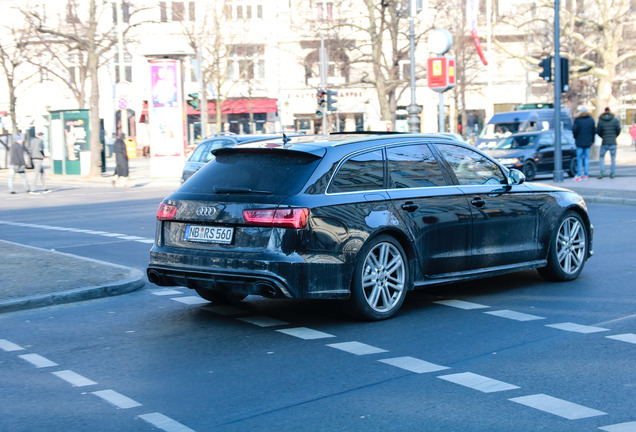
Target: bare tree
x,y
15,52
592,37
90,35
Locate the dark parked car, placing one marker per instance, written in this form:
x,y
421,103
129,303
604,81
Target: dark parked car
x,y
533,152
202,154
362,219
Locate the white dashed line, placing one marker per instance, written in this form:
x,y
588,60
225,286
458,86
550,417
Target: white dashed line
x,y
628,337
113,235
461,304
146,241
413,364
478,382
517,316
263,321
225,310
357,348
164,423
117,399
305,333
190,300
37,360
620,427
165,292
578,328
131,237
559,407
75,379
7,346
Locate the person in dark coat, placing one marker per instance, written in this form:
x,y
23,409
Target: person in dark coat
x,y
17,163
121,158
584,131
36,150
608,129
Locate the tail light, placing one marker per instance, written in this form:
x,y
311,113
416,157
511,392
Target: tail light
x,y
166,212
281,218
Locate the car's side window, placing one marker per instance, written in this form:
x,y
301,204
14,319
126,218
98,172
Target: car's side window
x,y
546,140
413,166
470,167
359,173
201,151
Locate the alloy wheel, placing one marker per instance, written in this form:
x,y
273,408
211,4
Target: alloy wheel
x,y
383,277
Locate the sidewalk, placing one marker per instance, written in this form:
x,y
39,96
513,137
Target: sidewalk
x,y
62,278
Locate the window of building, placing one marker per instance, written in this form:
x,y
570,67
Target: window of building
x,y
324,10
127,66
247,62
177,11
74,66
244,9
125,12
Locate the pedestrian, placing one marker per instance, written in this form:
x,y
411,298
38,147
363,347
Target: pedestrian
x,y
17,164
121,158
36,150
608,129
632,132
584,131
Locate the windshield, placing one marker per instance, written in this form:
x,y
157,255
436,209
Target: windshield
x,y
520,141
501,130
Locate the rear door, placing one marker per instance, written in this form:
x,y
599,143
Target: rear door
x,y
435,212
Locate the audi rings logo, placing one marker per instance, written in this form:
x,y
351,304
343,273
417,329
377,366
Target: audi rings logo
x,y
206,211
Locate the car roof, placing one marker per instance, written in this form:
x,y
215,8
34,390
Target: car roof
x,y
318,144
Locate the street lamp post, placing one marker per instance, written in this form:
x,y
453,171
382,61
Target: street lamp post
x,y
413,109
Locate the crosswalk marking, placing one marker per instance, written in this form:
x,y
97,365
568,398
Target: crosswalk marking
x,y
305,333
37,360
577,328
556,406
478,382
461,304
413,364
357,348
517,316
117,399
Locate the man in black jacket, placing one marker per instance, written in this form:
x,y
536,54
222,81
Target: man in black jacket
x,y
16,163
584,131
608,129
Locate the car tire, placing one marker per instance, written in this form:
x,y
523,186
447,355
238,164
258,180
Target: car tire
x,y
380,281
568,249
573,167
220,297
529,169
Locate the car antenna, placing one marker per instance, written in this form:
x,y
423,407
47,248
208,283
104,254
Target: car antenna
x,y
286,139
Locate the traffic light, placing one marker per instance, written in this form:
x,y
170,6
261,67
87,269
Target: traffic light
x,y
331,102
194,101
565,74
546,69
321,102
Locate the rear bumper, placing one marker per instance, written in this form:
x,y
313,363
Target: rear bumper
x,y
265,274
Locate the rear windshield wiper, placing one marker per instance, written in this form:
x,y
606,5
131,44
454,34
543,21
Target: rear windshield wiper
x,y
237,190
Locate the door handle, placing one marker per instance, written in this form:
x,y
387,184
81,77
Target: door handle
x,y
478,202
410,206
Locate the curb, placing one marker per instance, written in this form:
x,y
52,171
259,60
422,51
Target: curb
x,y
127,280
74,295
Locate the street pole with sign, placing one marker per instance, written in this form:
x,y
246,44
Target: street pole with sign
x,y
440,70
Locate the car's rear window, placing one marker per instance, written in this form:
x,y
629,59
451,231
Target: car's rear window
x,y
272,172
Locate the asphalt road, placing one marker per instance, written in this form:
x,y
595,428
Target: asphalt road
x,y
511,353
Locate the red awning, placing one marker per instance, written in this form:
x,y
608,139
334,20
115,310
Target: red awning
x,y
235,106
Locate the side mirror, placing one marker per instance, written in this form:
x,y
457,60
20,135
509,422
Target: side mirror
x,y
516,177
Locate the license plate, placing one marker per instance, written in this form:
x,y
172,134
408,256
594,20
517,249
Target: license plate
x,y
209,234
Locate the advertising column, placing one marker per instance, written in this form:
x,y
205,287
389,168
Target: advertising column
x,y
167,119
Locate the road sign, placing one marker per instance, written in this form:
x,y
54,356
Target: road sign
x,y
441,73
122,103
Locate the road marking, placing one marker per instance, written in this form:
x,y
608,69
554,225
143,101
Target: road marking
x,y
559,407
620,427
413,364
357,348
132,237
117,399
165,423
461,304
263,321
75,379
478,382
305,333
628,337
225,310
113,235
147,241
165,292
578,328
7,346
37,360
517,316
190,300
